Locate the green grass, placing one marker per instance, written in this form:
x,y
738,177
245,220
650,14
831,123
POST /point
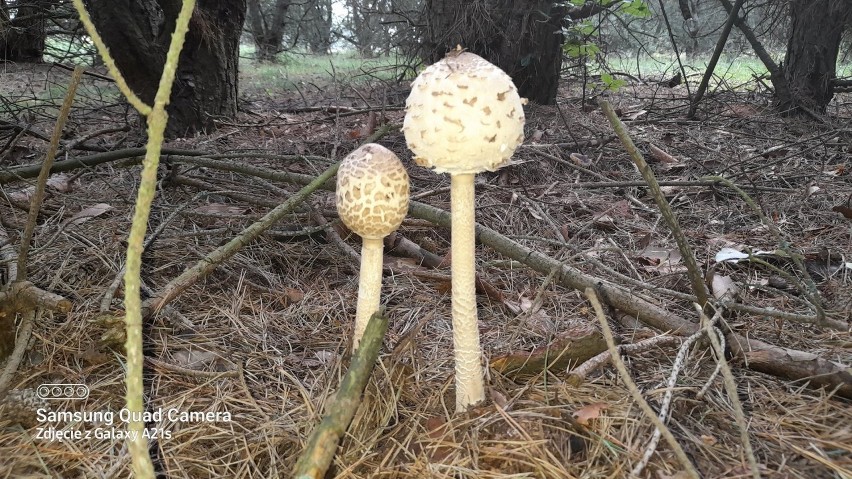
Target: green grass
x,y
292,70
735,70
57,47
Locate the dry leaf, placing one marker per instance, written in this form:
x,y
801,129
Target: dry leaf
x,y
60,182
621,209
498,398
437,432
536,319
662,156
93,357
193,359
572,347
293,295
587,413
632,116
843,210
835,170
536,136
661,260
398,265
87,213
604,222
775,152
724,286
488,289
677,475
743,111
811,190
580,159
325,356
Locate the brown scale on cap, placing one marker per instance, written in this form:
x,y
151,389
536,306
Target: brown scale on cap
x,y
464,115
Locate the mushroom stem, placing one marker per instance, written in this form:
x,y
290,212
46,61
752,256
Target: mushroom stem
x,y
469,383
369,286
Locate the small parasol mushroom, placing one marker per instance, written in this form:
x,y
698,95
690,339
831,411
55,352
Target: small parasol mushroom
x,y
372,201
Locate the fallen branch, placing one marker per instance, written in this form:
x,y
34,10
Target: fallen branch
x,y
711,65
17,355
791,364
578,375
714,334
831,374
44,172
23,297
210,262
26,299
572,347
696,277
322,444
31,171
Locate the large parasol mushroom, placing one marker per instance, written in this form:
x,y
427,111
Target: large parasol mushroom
x,y
464,116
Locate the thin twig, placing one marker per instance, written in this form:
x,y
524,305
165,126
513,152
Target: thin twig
x,y
41,183
24,332
134,100
678,363
634,390
731,388
696,278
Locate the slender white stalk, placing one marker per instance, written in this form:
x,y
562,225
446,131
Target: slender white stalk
x,y
369,286
469,382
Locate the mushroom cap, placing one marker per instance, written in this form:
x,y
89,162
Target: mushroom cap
x,y
372,191
464,115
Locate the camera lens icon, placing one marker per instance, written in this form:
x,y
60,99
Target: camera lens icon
x,y
64,392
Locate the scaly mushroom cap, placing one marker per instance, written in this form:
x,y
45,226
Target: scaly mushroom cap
x,y
372,191
463,115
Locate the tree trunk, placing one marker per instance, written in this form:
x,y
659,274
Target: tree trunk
x,y
811,60
22,38
521,37
267,36
317,23
362,32
138,33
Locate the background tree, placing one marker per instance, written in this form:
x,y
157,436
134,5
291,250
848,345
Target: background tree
x,y
805,80
524,38
138,32
377,27
22,29
315,25
266,21
810,64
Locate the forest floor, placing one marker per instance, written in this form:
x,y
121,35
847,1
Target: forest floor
x,y
265,336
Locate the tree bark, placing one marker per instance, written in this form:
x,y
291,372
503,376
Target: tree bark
x,y
267,36
22,38
776,72
521,37
138,33
811,61
316,26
